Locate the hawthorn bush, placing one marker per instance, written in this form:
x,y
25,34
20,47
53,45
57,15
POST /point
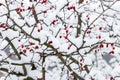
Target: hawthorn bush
x,y
59,39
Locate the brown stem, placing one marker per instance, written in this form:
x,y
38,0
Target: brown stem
x,y
43,68
13,47
79,25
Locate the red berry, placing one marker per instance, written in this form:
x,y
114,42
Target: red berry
x,y
29,8
100,28
87,15
49,42
113,48
101,45
73,8
71,26
112,44
72,74
88,18
68,8
66,37
60,36
20,10
38,30
44,1
111,52
36,47
95,51
24,51
82,0
88,32
17,9
81,60
1,4
22,46
6,28
10,55
19,40
51,8
111,78
107,44
45,11
86,1
98,37
34,11
66,30
30,50
31,43
81,68
53,22
23,9
69,46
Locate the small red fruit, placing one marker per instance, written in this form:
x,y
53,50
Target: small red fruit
x,y
44,1
24,51
69,46
34,11
98,37
60,36
81,60
20,10
66,30
30,50
17,9
19,40
51,8
111,78
49,42
100,28
1,4
107,44
113,48
71,7
45,11
86,1
36,47
10,55
54,21
71,26
31,43
22,46
29,8
101,45
82,0
38,30
81,68
95,51
111,52
88,32
6,28
88,18
112,44
66,37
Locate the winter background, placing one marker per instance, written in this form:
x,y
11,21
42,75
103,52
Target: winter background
x,y
59,40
